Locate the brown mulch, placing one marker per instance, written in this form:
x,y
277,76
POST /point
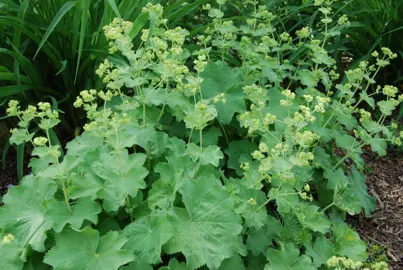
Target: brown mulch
x,y
8,171
385,226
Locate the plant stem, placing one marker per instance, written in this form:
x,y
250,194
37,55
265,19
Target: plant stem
x,y
144,115
327,207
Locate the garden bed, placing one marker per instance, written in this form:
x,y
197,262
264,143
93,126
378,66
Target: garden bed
x,y
383,229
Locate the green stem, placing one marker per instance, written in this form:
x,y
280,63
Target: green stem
x,y
190,135
264,204
340,162
327,207
161,114
66,199
144,115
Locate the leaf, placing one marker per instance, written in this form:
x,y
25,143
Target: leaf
x,y
235,150
207,155
344,115
85,5
320,251
20,160
260,240
307,78
10,90
379,145
288,258
83,144
23,213
346,200
60,215
235,262
114,7
174,264
210,137
219,78
137,265
357,181
344,141
254,215
348,243
146,237
123,175
286,198
172,176
311,218
10,259
86,185
206,231
86,250
336,179
60,14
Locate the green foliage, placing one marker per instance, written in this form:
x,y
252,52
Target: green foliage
x,y
190,162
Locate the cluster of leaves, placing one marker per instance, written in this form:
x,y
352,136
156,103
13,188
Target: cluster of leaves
x,y
189,163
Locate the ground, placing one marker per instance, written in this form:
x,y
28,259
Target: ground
x,y
383,230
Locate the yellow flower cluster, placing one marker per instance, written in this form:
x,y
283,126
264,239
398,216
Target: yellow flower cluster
x,y
7,239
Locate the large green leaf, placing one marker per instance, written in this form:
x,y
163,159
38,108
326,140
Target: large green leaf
x,y
348,242
123,175
206,230
219,78
146,237
206,155
86,250
60,215
287,258
311,218
10,251
357,181
321,250
23,213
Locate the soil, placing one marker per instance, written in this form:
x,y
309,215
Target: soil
x,y
8,171
383,228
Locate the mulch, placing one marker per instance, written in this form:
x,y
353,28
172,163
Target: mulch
x,y
385,226
8,171
385,182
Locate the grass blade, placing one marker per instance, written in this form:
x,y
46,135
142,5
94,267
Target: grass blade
x,y
176,16
114,7
6,91
138,24
83,28
60,14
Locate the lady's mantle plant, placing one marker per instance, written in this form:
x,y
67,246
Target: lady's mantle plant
x,y
233,167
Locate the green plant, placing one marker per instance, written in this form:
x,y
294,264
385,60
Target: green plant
x,y
148,180
50,49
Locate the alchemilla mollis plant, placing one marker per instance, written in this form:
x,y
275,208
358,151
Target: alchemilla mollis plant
x,y
188,162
